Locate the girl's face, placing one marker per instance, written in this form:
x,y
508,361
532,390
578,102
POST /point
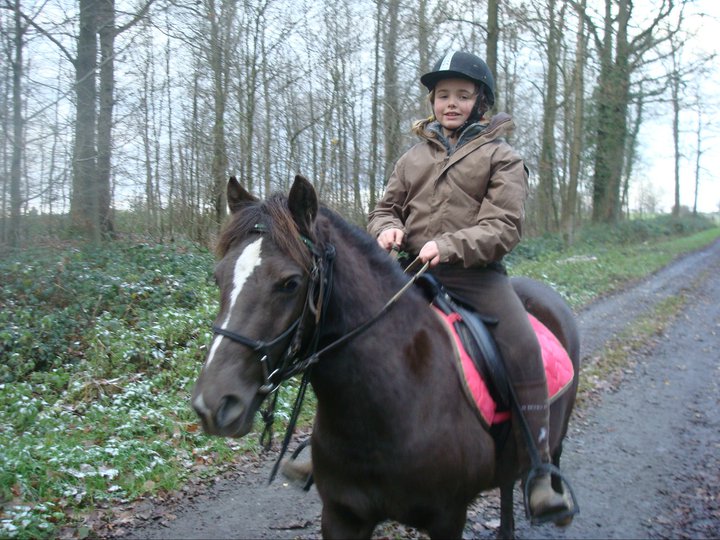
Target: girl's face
x,y
454,101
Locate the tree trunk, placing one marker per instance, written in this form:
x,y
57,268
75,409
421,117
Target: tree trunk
x,y
83,207
106,31
391,111
424,36
569,208
374,113
698,155
13,232
493,35
613,98
219,164
172,180
675,100
548,214
630,155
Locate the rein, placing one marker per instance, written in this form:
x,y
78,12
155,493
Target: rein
x,y
292,362
367,324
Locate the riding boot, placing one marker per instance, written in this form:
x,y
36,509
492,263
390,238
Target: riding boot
x,y
544,500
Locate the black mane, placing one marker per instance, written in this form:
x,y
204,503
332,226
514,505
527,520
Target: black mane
x,y
366,245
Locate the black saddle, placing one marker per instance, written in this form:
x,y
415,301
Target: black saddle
x,y
475,336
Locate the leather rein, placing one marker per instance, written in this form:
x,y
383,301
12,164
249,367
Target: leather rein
x,y
293,360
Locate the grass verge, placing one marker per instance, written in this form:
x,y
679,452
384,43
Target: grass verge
x,y
609,365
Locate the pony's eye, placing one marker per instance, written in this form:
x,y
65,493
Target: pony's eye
x,y
290,285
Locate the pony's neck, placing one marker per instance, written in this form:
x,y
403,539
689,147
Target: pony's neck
x,y
362,287
363,284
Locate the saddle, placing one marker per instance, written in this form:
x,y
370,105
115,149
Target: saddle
x,y
479,361
474,341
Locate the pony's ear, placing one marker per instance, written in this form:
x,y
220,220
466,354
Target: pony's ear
x,y
237,195
303,204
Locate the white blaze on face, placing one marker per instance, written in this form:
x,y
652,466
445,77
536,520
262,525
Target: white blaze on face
x,y
248,260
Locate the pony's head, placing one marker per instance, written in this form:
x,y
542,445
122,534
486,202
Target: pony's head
x,y
268,275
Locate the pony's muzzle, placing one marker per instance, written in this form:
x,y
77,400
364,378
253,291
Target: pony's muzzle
x,y
225,420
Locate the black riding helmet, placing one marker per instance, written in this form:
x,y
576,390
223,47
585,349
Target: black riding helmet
x,y
463,65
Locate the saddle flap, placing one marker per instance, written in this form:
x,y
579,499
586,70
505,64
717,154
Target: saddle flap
x,y
474,336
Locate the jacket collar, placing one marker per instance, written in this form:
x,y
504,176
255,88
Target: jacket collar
x,y
478,133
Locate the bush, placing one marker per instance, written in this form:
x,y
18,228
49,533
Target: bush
x,y
58,304
643,230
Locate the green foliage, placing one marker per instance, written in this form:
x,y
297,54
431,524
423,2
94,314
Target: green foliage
x,y
593,267
59,305
101,347
643,230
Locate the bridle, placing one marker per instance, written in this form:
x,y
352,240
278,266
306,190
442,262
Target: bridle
x,y
294,360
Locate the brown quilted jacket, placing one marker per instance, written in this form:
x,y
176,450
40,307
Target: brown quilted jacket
x,y
470,202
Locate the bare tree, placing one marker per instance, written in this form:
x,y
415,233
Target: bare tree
x,y
621,56
220,15
577,113
375,107
493,37
547,184
391,102
15,46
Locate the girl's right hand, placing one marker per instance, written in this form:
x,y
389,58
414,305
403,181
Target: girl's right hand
x,y
390,238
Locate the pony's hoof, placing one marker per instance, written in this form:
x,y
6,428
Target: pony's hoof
x,y
298,472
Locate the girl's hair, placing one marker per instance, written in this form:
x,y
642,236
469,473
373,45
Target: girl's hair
x,y
418,127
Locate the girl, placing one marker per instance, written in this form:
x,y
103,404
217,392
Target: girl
x,y
457,199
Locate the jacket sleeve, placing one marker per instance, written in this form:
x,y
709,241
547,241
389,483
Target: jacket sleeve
x,y
500,219
388,212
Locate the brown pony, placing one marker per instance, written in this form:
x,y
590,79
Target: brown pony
x,y
394,436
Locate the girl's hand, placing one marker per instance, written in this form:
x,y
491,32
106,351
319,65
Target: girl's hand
x,y
390,238
430,252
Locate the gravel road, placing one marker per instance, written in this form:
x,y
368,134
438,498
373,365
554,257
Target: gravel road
x,y
643,455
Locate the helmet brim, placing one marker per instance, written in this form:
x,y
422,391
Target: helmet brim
x,y
430,80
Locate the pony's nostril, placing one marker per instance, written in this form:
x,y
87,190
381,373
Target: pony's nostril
x,y
229,411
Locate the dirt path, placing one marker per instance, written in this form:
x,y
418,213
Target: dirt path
x,y
643,458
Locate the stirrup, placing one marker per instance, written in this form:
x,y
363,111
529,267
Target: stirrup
x,y
552,470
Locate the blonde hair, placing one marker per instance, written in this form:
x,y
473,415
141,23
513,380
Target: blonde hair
x,y
418,127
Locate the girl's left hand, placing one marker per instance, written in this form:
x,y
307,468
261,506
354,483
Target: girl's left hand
x,y
429,252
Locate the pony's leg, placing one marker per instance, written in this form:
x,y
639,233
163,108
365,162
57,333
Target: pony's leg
x,y
507,511
339,521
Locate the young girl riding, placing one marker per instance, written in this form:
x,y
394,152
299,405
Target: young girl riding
x,y
456,199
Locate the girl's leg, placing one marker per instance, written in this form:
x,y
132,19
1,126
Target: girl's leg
x,y
491,293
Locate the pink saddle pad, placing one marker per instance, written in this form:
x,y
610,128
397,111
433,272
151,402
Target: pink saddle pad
x,y
558,369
